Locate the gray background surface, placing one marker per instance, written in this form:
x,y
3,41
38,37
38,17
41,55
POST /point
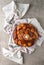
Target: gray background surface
x,y
36,10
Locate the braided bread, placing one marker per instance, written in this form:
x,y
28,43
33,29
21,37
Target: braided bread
x,y
25,34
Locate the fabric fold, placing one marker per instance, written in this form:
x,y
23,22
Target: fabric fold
x,y
9,55
15,10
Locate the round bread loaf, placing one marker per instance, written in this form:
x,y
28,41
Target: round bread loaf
x,y
25,35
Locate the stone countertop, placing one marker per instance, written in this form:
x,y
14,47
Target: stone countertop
x,y
36,10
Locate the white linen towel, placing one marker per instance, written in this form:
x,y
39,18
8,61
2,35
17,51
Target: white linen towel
x,y
13,14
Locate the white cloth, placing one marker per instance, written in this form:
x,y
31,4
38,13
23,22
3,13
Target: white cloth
x,y
14,52
16,10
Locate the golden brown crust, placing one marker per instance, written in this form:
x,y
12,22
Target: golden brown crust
x,y
25,34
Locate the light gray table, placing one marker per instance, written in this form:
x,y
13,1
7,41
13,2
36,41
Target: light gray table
x,y
36,10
